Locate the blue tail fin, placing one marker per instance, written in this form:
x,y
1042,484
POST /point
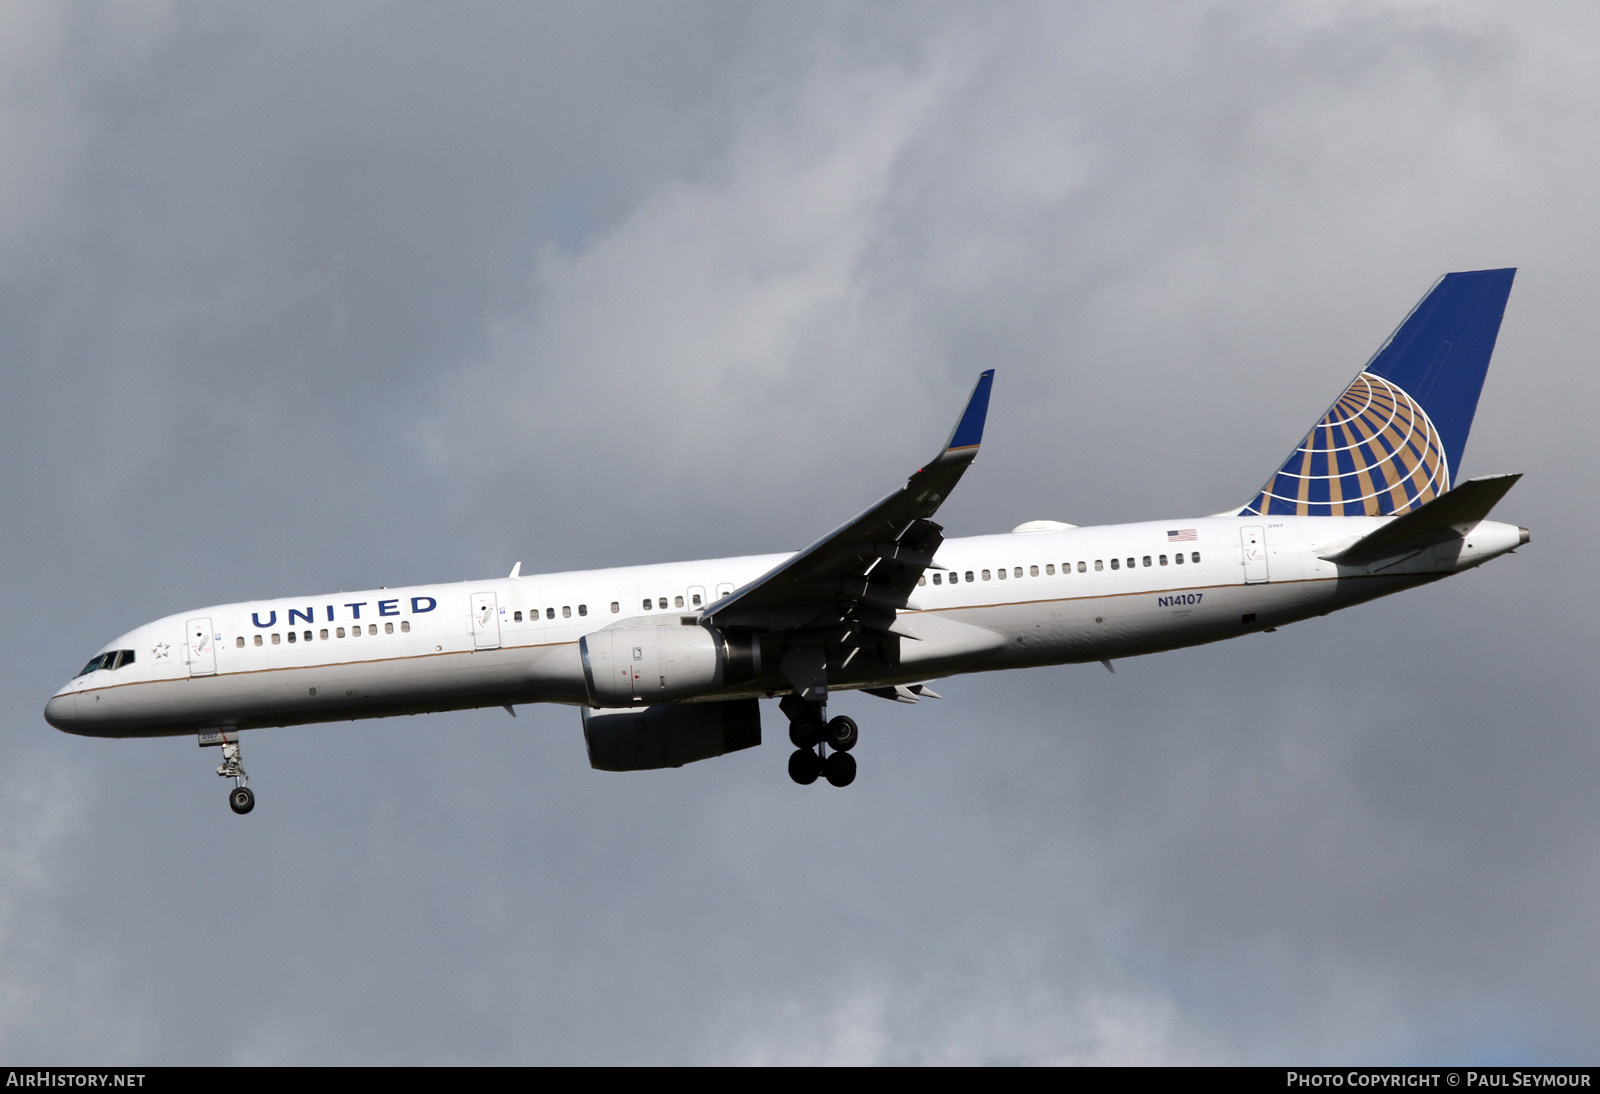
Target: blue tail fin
x,y
1394,439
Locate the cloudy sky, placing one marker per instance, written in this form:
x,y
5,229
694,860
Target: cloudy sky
x,y
303,297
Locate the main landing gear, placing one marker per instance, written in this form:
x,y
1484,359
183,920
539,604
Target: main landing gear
x,y
813,735
241,799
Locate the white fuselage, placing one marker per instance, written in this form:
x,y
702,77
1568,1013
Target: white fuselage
x,y
1035,598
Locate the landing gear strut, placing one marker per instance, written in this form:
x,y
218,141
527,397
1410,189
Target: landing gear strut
x,y
813,734
241,799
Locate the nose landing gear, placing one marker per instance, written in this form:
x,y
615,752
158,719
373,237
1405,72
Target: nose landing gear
x,y
241,799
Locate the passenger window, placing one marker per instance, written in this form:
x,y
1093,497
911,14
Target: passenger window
x,y
1163,560
1115,564
1178,558
1016,571
696,599
549,613
258,640
239,642
922,579
663,603
372,628
615,607
677,602
936,579
338,632
1147,560
953,577
1130,564
1050,570
986,575
516,617
275,640
1099,564
1195,557
308,636
648,603
388,628
566,611
1033,571
1002,573
583,609
291,637
323,634
405,626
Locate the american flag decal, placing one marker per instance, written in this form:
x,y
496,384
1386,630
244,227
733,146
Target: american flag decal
x,y
1182,535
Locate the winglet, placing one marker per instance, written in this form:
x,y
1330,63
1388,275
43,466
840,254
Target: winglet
x,y
968,433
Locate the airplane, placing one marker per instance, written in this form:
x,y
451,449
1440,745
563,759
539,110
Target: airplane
x,y
668,663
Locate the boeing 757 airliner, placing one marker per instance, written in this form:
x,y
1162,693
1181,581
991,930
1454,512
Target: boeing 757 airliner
x,y
668,662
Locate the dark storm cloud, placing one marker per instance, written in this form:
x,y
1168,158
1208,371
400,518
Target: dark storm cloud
x,y
324,297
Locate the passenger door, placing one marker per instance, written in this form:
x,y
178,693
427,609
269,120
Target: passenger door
x,y
485,621
1253,541
199,648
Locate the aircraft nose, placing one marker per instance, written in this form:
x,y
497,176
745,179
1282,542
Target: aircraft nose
x,y
62,712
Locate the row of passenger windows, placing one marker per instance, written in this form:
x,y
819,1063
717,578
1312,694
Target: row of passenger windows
x,y
661,602
648,604
113,659
117,658
654,603
338,632
955,577
550,613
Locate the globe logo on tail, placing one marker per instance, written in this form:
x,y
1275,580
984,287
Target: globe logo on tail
x,y
1374,453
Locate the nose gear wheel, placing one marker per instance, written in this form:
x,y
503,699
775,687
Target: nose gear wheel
x,y
241,799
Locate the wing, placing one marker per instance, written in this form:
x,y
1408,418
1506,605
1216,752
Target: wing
x,y
855,577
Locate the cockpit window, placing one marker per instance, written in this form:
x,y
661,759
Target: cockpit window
x,y
111,659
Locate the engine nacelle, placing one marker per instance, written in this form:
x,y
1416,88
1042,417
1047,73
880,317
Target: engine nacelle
x,y
640,666
645,738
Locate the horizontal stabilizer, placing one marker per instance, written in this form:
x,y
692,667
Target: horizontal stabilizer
x,y
1429,524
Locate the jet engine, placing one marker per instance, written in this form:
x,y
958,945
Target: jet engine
x,y
669,736
637,666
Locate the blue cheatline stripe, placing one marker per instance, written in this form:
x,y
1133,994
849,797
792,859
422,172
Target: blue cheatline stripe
x,y
969,430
